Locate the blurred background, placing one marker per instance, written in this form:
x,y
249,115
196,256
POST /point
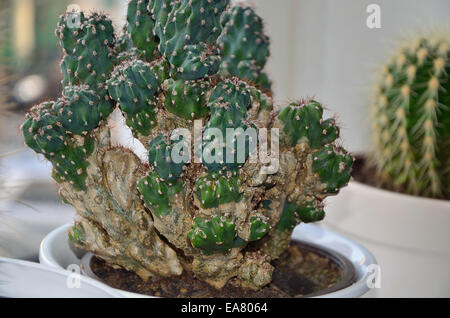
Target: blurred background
x,y
320,48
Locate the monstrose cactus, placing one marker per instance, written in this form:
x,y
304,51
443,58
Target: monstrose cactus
x,y
180,62
411,116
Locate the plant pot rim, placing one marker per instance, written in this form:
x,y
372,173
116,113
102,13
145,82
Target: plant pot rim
x,y
348,270
348,275
21,278
56,251
392,194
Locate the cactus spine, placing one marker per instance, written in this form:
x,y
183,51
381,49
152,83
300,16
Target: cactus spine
x,y
411,115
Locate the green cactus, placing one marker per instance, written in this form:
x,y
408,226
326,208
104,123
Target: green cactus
x,y
159,194
133,85
77,235
81,109
188,38
140,26
187,99
42,130
71,165
411,116
228,106
304,123
310,211
88,50
161,158
214,190
44,133
160,68
242,25
332,165
259,227
213,236
160,10
123,48
179,62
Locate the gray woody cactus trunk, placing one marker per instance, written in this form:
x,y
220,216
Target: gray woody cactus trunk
x,y
175,62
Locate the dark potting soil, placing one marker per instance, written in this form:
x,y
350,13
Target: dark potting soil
x,y
298,272
366,173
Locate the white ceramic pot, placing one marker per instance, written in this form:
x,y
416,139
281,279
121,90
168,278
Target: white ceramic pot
x,y
409,236
22,279
57,251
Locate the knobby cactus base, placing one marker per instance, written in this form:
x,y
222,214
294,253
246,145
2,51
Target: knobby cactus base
x,y
179,61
